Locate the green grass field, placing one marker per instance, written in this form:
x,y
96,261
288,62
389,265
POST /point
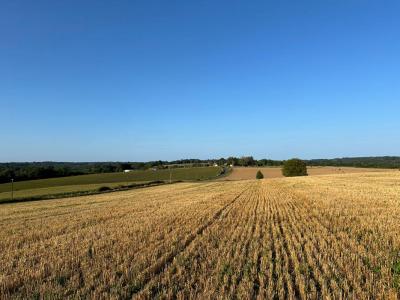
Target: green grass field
x,y
51,186
64,189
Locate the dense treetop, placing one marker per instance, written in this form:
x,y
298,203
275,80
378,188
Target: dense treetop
x,y
294,167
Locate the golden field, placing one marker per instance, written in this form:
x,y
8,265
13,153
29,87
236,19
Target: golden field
x,y
244,173
335,236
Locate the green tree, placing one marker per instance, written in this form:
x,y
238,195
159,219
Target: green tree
x,y
294,167
259,175
232,161
246,161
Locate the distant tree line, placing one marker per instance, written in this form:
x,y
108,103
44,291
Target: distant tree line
x,y
40,170
249,161
390,162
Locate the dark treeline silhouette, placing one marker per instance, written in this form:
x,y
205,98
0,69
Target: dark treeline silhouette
x,y
41,170
390,162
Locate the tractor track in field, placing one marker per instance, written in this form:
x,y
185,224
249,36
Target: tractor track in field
x,y
160,266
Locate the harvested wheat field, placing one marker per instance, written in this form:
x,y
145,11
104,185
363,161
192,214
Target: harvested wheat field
x,y
244,173
305,237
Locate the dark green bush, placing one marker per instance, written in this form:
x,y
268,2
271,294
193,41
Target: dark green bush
x,y
294,167
259,175
104,189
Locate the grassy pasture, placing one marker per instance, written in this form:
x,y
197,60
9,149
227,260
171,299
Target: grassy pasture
x,y
56,190
33,188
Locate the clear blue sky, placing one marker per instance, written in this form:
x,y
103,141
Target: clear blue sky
x,y
147,80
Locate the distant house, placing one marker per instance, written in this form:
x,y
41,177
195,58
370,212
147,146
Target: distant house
x,y
127,171
215,165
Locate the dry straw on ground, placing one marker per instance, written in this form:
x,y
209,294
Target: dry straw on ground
x,y
312,237
243,173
